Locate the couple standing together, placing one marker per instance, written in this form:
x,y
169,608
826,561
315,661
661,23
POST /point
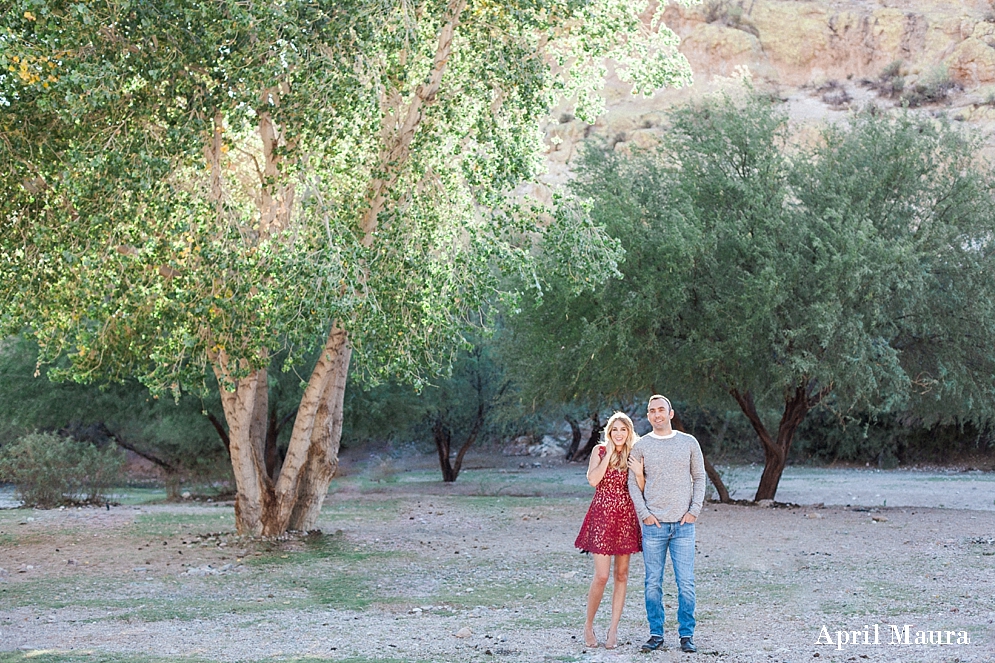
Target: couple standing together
x,y
648,494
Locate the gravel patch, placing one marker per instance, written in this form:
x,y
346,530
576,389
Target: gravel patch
x,y
410,576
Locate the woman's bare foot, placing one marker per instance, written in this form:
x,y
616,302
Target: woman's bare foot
x,y
590,639
612,640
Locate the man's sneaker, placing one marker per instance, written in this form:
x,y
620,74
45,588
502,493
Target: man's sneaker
x,y
654,643
687,645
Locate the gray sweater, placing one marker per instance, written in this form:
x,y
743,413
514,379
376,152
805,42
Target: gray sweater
x,y
675,477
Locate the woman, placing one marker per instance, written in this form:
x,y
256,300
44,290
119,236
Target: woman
x,y
610,528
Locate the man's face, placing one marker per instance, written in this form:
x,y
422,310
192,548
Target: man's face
x,y
659,413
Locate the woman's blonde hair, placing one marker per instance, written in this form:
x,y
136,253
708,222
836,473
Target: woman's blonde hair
x,y
619,460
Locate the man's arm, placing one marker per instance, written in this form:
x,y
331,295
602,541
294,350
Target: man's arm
x,y
638,499
698,477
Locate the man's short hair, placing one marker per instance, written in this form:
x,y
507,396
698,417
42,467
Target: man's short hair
x,y
654,397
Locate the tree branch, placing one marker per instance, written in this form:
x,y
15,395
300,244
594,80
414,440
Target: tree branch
x,y
152,458
395,153
746,404
220,428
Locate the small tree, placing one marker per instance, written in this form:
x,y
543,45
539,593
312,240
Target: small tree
x,y
462,406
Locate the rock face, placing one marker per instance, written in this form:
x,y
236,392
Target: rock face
x,y
823,57
796,42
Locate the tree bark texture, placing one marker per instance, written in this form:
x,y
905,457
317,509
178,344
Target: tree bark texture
x,y
312,455
253,489
323,452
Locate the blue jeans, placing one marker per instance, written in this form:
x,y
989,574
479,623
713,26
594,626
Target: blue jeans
x,y
679,539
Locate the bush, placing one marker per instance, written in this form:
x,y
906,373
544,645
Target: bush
x,y
48,470
890,83
933,88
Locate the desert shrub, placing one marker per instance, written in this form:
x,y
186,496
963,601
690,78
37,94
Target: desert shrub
x,y
48,470
835,94
174,435
890,83
931,89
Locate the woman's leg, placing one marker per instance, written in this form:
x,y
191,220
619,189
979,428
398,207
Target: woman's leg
x,y
618,598
602,565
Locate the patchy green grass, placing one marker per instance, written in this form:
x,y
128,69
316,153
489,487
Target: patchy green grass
x,y
137,495
88,656
314,572
50,593
327,571
176,524
10,517
361,509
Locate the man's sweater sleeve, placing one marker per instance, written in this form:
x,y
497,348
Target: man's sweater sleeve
x,y
697,476
638,500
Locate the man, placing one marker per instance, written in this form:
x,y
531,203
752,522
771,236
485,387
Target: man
x,y
668,506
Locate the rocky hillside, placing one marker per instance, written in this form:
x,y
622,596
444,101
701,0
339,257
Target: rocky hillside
x,y
823,57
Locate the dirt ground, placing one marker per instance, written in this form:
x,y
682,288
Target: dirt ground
x,y
406,563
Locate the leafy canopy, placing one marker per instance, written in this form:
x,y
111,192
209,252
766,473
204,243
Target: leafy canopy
x,y
859,265
185,181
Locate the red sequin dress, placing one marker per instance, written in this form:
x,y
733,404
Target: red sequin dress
x,y
611,526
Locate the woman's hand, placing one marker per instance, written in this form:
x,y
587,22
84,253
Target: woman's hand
x,y
597,466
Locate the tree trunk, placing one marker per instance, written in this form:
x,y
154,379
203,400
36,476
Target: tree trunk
x,y
716,479
443,443
246,428
796,405
312,455
294,502
575,436
592,441
713,474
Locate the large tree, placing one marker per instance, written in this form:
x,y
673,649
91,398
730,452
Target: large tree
x,y
190,186
855,271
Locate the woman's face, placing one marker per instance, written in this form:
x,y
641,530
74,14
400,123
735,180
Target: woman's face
x,y
618,433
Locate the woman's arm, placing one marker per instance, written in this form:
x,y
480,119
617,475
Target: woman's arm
x,y
597,466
